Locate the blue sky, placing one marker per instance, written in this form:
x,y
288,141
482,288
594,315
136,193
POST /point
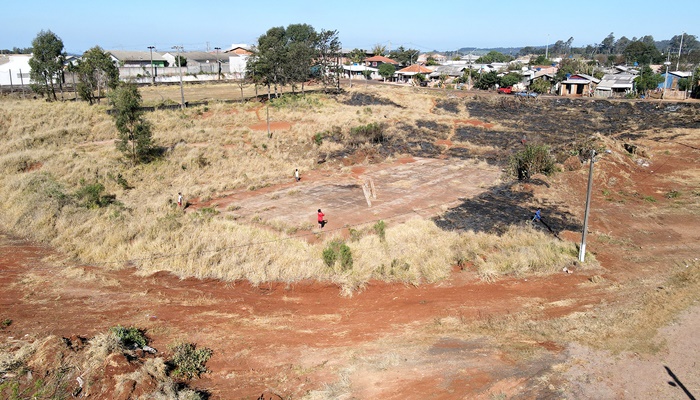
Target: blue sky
x,y
423,25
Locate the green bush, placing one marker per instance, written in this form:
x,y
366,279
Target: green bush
x,y
318,138
534,159
189,361
129,336
329,256
337,250
90,196
380,230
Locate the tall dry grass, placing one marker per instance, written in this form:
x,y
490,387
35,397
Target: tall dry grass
x,y
52,150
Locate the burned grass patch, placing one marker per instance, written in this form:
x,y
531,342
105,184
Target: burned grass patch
x,y
450,106
502,207
562,118
491,138
364,99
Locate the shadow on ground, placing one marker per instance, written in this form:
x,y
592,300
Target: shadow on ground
x,y
501,207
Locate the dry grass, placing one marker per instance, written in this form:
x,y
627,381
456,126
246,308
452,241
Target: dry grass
x,y
629,325
53,149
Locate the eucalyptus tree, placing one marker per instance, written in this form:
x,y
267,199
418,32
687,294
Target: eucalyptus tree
x,y
96,71
46,63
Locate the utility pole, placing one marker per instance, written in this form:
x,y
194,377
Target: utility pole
x,y
153,74
546,51
179,67
667,63
582,249
679,52
218,63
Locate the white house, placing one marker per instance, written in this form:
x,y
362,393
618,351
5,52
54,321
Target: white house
x,y
14,69
237,64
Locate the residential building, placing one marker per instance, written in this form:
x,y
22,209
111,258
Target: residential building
x,y
377,61
615,85
578,85
14,70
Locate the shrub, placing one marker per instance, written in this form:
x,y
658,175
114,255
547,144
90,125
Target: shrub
x,y
318,138
129,336
534,159
90,196
380,230
329,256
189,361
373,133
345,257
337,250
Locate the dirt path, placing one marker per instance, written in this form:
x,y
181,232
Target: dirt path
x,y
286,339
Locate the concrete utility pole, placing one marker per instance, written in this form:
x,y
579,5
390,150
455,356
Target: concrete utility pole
x,y
218,63
582,249
546,51
179,67
678,63
667,63
153,74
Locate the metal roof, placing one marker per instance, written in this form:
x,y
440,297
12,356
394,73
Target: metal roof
x,y
616,81
127,55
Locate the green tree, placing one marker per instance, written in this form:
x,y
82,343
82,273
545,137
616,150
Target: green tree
x,y
357,55
404,56
96,71
509,79
608,44
328,49
647,80
46,63
431,61
300,53
540,60
387,70
492,57
180,60
134,131
540,86
379,49
642,53
486,80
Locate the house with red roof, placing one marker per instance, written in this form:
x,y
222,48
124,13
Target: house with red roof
x,y
376,61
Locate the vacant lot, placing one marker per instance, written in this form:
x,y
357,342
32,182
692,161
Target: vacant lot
x,y
451,293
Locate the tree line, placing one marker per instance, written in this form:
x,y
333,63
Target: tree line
x,y
292,55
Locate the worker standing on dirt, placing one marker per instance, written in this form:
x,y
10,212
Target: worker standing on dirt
x,y
179,199
321,222
296,175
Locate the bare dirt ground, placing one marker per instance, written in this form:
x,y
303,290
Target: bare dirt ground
x,y
402,342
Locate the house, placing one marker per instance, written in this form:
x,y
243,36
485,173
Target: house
x,y
123,58
14,69
377,61
615,85
451,71
423,58
578,85
240,49
409,72
670,85
356,71
238,64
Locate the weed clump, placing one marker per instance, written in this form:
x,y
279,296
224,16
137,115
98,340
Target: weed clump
x,y
129,337
534,159
189,361
338,251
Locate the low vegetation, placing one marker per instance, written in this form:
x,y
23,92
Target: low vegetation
x,y
112,208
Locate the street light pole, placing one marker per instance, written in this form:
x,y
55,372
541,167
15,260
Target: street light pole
x,y
218,63
582,249
153,75
667,63
179,67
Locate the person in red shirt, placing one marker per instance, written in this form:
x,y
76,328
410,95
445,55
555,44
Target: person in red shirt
x,y
321,222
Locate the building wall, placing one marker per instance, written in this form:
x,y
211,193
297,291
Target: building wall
x,y
13,66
